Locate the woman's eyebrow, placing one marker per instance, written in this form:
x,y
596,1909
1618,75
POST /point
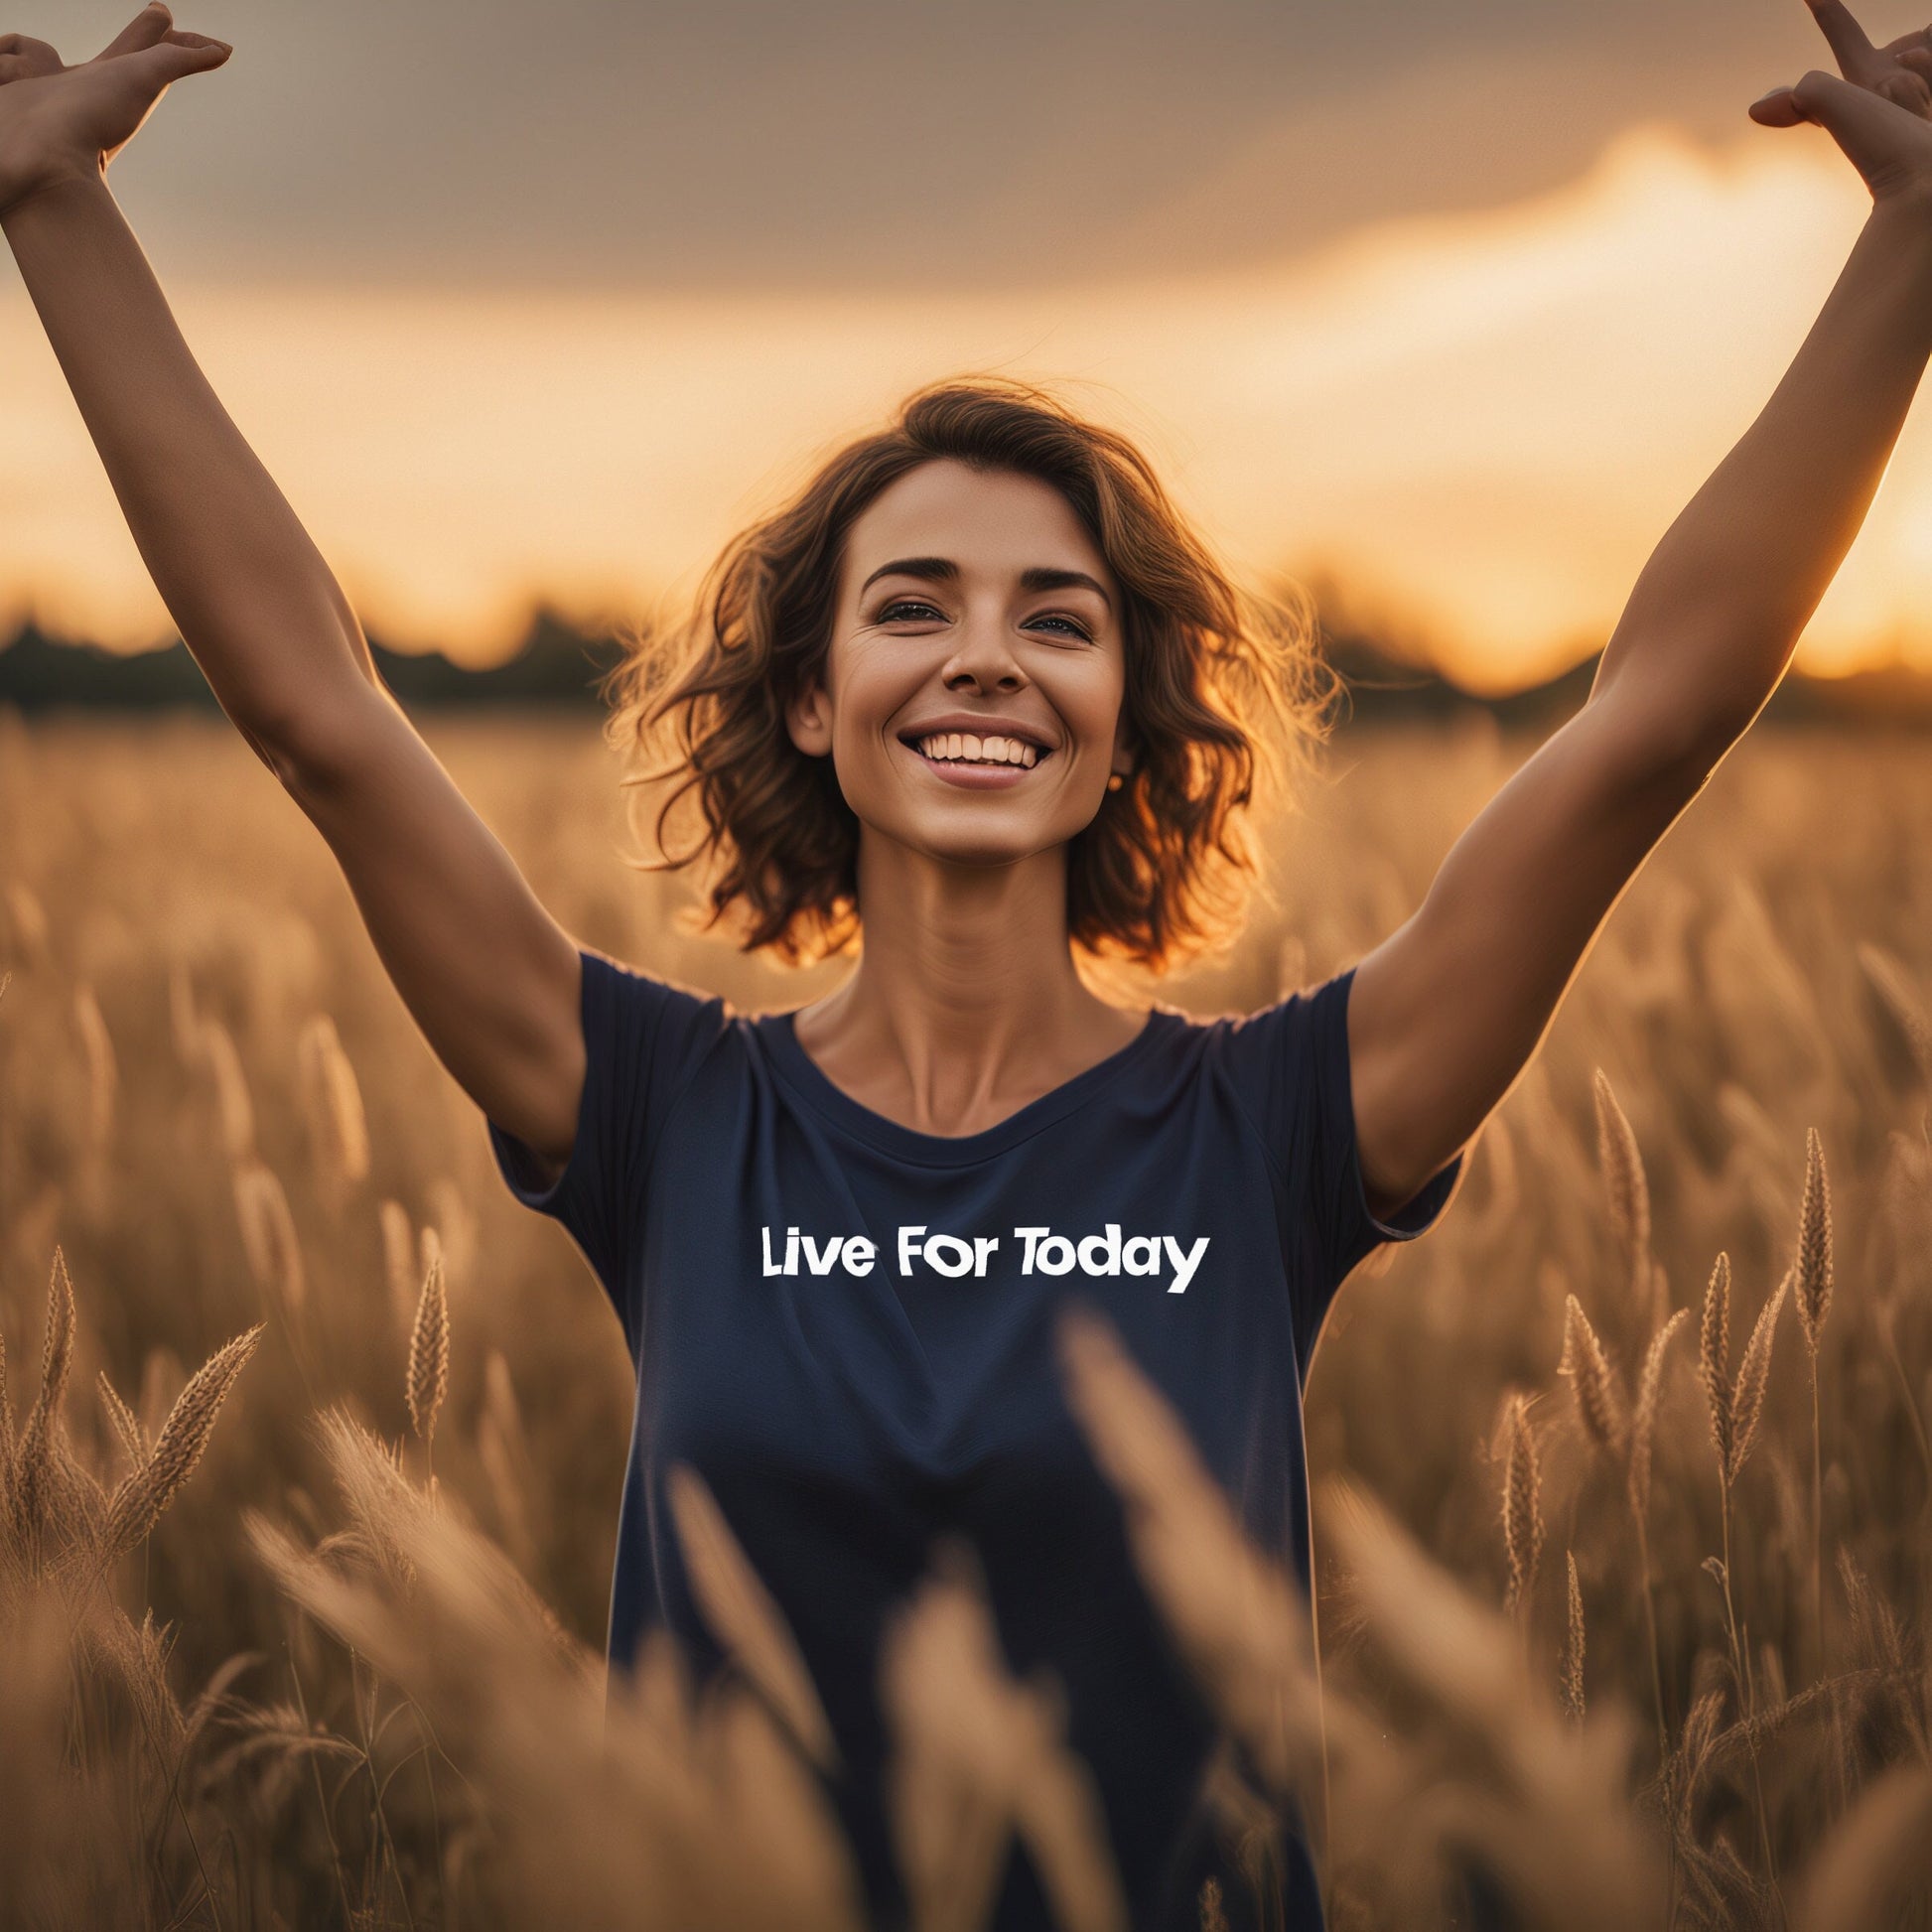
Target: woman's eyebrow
x,y
943,569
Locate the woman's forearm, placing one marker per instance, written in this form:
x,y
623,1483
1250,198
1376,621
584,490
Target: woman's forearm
x,y
1717,611
252,598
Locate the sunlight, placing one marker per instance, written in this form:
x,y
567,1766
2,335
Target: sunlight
x,y
1485,420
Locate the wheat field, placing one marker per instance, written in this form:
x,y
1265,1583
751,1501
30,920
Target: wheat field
x,y
311,1439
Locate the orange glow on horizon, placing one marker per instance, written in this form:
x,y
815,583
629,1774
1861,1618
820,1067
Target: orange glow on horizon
x,y
1484,422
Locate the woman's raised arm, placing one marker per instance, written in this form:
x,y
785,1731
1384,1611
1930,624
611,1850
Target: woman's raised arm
x,y
489,977
1446,1013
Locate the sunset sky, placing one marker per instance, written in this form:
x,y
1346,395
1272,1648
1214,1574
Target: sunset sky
x,y
522,303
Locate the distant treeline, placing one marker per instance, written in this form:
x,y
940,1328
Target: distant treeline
x,y
558,667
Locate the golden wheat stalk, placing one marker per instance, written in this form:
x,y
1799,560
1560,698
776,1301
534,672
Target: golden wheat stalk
x,y
37,1479
1814,1258
1571,1680
1212,1917
236,1106
1240,1621
1753,1374
1813,1267
743,1615
1714,1360
977,1754
1643,1423
103,1079
1522,1507
268,1234
1599,1405
1890,980
333,1098
1872,1865
124,1422
400,1259
429,1353
137,1504
27,918
78,1504
1628,1189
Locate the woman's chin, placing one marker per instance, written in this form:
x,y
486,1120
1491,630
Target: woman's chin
x,y
968,839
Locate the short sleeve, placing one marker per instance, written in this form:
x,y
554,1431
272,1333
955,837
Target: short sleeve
x,y
1290,1065
643,1041
1337,1200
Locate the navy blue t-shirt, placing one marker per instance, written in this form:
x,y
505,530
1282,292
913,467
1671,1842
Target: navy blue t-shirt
x,y
846,1405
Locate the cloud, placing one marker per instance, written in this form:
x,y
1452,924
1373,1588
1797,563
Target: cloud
x,y
1489,419
881,144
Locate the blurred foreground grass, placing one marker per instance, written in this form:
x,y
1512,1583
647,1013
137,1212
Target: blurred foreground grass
x,y
215,1106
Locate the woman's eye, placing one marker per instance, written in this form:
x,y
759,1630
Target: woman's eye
x,y
905,609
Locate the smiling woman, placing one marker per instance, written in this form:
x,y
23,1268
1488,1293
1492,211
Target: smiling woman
x,y
1141,698
975,701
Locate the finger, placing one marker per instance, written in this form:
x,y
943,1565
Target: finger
x,y
1862,123
143,30
1776,109
1918,59
184,53
1846,38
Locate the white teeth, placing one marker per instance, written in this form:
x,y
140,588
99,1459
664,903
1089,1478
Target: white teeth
x,y
970,747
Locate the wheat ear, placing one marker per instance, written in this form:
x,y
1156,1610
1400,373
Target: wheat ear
x,y
1643,1423
1753,1373
1813,1266
1522,1507
1591,1380
1813,1258
126,1423
1714,1360
137,1504
429,1353
1893,984
37,1481
1624,1180
1571,1679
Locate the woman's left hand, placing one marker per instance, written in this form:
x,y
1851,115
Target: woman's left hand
x,y
1879,113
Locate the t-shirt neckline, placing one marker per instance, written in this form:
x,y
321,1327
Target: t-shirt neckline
x,y
812,1083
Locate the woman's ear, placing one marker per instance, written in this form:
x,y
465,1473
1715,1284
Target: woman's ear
x,y
808,718
1124,759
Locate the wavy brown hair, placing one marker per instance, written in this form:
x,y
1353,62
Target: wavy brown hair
x,y
1226,695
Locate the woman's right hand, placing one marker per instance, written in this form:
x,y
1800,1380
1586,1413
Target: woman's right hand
x,y
57,122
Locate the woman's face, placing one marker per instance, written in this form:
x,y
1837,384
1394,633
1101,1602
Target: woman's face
x,y
972,694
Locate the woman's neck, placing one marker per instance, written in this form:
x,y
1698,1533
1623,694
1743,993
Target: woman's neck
x,y
965,1004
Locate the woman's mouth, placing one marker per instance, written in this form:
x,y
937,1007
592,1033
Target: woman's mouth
x,y
976,760
966,748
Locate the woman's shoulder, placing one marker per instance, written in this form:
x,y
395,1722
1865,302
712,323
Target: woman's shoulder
x,y
636,1009
1294,1011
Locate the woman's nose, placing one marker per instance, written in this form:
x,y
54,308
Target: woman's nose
x,y
983,657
